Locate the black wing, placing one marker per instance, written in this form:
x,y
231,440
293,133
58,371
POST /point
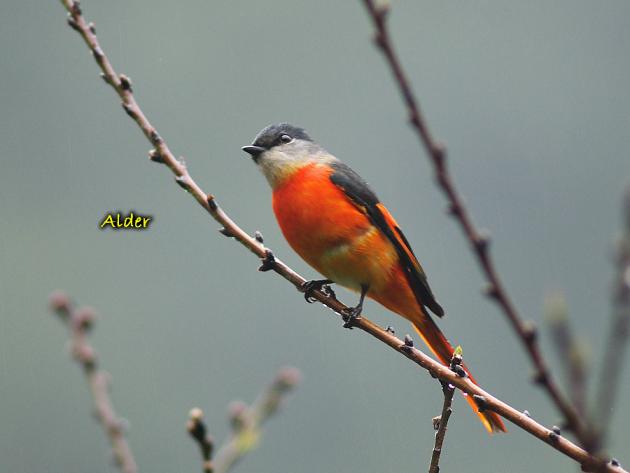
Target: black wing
x,y
359,191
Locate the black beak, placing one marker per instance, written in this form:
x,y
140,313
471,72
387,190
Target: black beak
x,y
253,150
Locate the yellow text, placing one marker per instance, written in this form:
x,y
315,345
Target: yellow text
x,y
119,221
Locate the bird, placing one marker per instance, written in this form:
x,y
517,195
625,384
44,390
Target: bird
x,y
334,221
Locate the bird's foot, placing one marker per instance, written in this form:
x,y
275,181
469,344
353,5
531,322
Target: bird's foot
x,y
350,315
268,262
316,285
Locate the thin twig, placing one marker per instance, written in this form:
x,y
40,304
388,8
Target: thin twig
x,y
617,343
479,241
246,421
197,429
570,351
440,423
79,321
162,153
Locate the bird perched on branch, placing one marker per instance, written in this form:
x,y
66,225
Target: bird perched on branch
x,y
336,223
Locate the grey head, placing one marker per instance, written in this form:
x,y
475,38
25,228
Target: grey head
x,y
279,148
275,136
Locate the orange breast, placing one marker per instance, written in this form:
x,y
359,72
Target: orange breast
x,y
331,233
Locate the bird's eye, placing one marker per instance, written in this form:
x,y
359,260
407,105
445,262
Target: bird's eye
x,y
285,138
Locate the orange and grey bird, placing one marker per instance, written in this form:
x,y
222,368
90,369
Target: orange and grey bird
x,y
336,223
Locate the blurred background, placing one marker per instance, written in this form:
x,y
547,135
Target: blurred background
x,y
533,102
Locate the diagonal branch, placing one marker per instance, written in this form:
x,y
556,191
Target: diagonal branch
x,y
479,242
162,154
79,321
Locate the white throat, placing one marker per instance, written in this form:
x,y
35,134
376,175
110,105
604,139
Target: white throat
x,y
282,161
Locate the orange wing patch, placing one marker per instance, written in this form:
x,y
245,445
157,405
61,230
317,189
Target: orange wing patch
x,y
400,237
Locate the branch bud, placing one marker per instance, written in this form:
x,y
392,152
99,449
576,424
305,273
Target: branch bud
x,y
529,331
490,291
439,154
196,414
73,24
539,378
182,181
436,422
155,156
125,82
156,139
59,302
482,241
84,318
379,40
287,378
197,430
128,109
225,232
237,411
85,355
459,371
76,7
105,77
453,210
381,12
98,54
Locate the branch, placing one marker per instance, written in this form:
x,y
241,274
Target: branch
x,y
440,423
79,322
162,154
197,429
479,242
619,328
571,353
246,422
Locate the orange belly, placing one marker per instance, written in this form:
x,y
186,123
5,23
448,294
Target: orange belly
x,y
331,233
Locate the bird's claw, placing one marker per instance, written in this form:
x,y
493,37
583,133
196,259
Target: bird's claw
x,y
350,315
268,262
316,285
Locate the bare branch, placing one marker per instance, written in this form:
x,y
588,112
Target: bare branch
x,y
570,351
162,154
79,321
197,429
617,343
246,421
479,241
440,423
